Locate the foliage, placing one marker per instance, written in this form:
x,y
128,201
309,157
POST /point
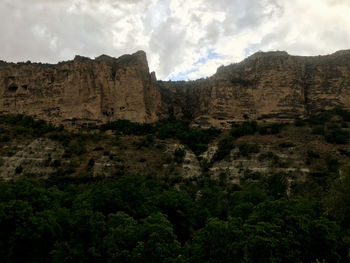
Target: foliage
x,y
133,219
195,138
247,149
326,123
179,155
128,218
225,146
286,144
245,128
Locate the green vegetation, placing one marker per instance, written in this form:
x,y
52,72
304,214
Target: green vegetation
x,y
250,128
247,149
128,218
196,139
246,128
179,155
286,144
332,124
225,146
20,125
243,82
134,219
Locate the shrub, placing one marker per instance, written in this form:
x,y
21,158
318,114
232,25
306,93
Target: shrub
x,y
146,141
320,118
337,136
246,128
56,163
76,147
18,170
273,128
286,144
225,146
243,82
179,155
345,114
318,129
299,123
312,155
269,156
332,165
247,149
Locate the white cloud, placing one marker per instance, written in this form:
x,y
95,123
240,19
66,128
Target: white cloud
x,y
179,36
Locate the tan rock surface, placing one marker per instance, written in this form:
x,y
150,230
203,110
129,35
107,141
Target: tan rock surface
x,y
266,86
82,90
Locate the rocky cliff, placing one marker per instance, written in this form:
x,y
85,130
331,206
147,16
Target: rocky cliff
x,y
266,86
81,91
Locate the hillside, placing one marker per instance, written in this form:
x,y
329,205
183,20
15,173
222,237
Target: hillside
x,y
131,192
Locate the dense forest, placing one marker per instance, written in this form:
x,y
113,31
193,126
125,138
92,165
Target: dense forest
x,y
132,218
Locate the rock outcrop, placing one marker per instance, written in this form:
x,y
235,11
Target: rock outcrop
x,y
81,91
266,86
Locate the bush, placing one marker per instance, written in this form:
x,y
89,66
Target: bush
x,y
345,114
246,128
318,129
312,155
247,149
76,147
146,141
299,123
273,128
286,144
179,155
332,165
320,118
196,139
224,148
269,156
337,136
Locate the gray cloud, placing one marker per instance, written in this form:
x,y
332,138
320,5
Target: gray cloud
x,y
176,34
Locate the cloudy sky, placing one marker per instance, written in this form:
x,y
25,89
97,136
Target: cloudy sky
x,y
183,39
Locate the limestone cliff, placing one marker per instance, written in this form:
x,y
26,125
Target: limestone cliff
x,y
82,90
266,86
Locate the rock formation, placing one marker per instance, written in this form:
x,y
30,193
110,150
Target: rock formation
x,y
266,86
82,90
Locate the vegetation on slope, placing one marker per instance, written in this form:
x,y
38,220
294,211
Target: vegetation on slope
x,y
74,217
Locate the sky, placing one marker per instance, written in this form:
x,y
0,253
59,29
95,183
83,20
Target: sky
x,y
183,39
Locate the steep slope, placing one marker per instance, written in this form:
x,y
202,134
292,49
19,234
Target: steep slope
x,y
266,86
82,90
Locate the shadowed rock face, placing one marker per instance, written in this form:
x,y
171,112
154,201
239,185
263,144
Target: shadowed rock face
x,y
266,86
82,90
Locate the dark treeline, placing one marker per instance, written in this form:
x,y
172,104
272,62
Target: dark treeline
x,y
135,219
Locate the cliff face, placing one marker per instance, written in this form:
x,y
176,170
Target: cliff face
x,y
266,86
82,90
